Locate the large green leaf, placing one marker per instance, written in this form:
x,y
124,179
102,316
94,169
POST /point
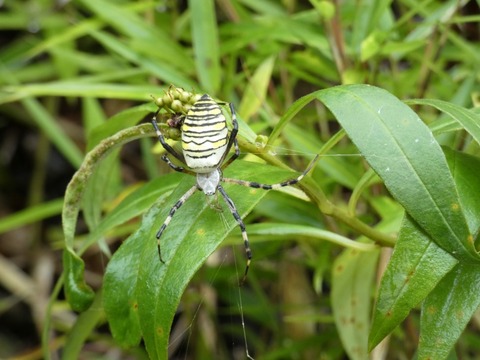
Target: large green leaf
x,y
137,282
403,152
447,310
418,265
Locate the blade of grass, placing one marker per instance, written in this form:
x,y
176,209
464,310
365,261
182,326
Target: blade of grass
x,y
205,44
256,91
32,214
161,69
127,22
79,89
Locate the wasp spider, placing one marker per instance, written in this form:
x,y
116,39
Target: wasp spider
x,y
206,144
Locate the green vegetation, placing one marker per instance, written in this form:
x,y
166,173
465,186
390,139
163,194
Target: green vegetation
x,y
387,93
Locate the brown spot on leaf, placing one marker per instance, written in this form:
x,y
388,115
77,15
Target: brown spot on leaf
x,y
160,331
470,239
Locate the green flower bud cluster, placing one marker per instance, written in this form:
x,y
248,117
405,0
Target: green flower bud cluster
x,y
176,100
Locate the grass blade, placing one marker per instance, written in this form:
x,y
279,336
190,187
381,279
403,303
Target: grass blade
x,y
205,44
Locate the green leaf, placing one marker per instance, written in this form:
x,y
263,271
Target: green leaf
x,y
447,310
368,14
106,179
31,214
352,280
465,117
120,121
278,230
416,267
403,152
205,44
76,88
466,170
371,46
103,181
49,125
135,275
78,293
93,114
83,328
293,110
120,301
256,91
164,71
418,264
134,205
134,26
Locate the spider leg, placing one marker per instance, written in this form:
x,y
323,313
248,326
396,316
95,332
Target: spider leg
x,y
257,185
177,168
232,140
174,208
161,138
237,217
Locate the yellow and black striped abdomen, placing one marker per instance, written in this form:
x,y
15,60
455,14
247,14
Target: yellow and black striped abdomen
x,y
204,135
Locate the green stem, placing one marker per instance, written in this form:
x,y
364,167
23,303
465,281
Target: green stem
x,y
315,193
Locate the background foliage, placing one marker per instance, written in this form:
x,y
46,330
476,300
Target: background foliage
x,y
76,73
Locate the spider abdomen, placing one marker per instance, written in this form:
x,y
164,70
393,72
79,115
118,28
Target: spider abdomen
x,y
204,135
